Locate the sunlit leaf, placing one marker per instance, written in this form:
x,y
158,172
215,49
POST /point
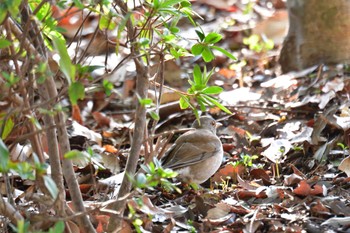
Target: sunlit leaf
x,y
65,63
76,91
184,102
197,75
212,38
4,43
197,49
225,52
51,186
7,128
207,54
213,90
217,103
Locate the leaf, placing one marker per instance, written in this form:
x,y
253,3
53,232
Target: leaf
x,y
146,101
76,91
207,54
197,49
58,227
201,102
345,166
106,22
7,129
184,102
216,103
213,90
4,43
213,38
79,4
51,186
65,63
74,154
4,157
225,52
197,75
200,35
154,115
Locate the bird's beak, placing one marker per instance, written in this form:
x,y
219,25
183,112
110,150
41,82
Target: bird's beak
x,y
218,124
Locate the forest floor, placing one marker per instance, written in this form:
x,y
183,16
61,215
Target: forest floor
x,y
286,145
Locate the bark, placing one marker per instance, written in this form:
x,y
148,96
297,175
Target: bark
x,y
49,87
319,33
142,82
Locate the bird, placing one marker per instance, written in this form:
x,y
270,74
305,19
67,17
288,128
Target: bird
x,y
197,154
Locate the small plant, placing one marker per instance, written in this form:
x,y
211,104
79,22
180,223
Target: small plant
x,y
201,92
155,175
246,160
258,44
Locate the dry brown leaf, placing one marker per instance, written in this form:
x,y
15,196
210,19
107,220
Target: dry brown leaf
x,y
303,189
345,166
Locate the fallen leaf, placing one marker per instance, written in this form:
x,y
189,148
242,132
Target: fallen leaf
x,y
303,189
345,166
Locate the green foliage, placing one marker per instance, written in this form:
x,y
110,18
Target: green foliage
x,y
246,160
206,45
108,87
76,91
66,66
10,79
9,6
24,227
258,44
200,91
4,157
154,175
7,126
4,43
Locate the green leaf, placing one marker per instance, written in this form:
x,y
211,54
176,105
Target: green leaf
x,y
106,22
3,13
76,91
200,35
216,103
207,54
74,154
25,170
58,227
108,86
65,63
4,157
170,3
213,90
8,127
144,41
184,102
197,49
201,102
51,186
146,101
213,38
174,30
197,75
225,52
79,4
154,115
4,43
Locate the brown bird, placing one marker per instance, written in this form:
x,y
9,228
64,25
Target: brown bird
x,y
197,154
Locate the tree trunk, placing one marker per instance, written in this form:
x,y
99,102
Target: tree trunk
x,y
319,33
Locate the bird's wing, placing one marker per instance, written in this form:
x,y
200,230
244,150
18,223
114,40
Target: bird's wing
x,y
191,148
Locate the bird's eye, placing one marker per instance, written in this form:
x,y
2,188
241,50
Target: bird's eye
x,y
213,123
